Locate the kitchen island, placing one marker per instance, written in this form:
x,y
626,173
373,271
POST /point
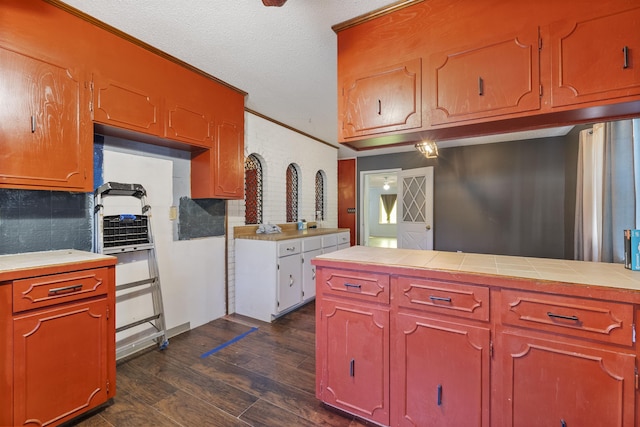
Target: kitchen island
x,y
423,338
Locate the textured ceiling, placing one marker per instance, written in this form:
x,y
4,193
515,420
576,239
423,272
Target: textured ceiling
x,y
283,57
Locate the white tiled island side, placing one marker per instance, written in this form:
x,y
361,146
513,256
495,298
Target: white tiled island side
x,y
407,337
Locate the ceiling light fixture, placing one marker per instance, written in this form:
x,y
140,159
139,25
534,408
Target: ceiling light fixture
x,y
428,148
386,184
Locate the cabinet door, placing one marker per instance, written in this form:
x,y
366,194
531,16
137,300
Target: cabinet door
x,y
355,359
596,59
487,80
440,374
60,362
289,281
121,102
229,160
189,107
45,133
309,274
552,383
383,101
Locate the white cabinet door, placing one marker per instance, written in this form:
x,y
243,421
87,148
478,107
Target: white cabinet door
x,y
309,274
289,281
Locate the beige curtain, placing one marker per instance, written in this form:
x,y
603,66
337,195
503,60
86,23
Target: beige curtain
x,y
388,201
608,183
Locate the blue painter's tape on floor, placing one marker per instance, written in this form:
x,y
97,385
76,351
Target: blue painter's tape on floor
x,y
228,343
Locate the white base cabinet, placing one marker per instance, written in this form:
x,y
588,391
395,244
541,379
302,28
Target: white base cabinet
x,y
275,277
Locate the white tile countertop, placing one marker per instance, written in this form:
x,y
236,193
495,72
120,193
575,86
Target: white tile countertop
x,y
539,269
16,265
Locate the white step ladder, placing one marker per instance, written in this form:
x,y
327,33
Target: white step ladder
x,y
125,235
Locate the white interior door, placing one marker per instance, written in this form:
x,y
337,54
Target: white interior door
x,y
415,208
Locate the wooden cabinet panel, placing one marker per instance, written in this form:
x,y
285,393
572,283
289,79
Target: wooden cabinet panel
x,y
586,318
440,373
186,124
123,105
364,286
45,131
228,169
60,362
219,172
355,363
454,299
595,59
382,101
44,291
487,80
549,383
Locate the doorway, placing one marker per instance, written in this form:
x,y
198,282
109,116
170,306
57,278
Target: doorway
x,y
378,224
397,208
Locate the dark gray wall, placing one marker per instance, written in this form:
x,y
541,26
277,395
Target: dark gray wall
x,y
33,220
507,198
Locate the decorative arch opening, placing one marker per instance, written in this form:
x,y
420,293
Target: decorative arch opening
x,y
253,190
292,192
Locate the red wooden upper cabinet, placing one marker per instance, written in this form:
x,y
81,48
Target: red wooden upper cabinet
x,y
45,133
487,79
384,100
595,59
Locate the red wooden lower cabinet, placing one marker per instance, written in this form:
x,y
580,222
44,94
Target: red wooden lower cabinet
x,y
547,382
439,374
355,366
60,362
434,348
57,336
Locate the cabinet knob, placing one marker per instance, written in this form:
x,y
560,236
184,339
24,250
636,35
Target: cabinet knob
x,y
428,227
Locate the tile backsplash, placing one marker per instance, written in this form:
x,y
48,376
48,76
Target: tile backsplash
x,y
35,220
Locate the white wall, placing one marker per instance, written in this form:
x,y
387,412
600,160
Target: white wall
x,y
277,147
191,271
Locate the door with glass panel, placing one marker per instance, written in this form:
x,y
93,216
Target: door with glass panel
x,y
415,208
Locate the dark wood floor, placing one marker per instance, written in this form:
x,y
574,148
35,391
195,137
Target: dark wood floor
x,y
266,378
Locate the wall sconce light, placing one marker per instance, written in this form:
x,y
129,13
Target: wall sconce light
x,y
428,148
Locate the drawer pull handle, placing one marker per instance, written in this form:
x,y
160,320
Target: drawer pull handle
x,y
435,298
625,53
290,280
562,316
480,86
439,394
379,107
352,368
563,423
351,285
292,248
71,288
33,123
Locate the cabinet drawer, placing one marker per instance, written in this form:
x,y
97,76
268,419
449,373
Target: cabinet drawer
x,y
585,318
330,240
289,247
344,238
311,244
44,291
365,286
468,301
